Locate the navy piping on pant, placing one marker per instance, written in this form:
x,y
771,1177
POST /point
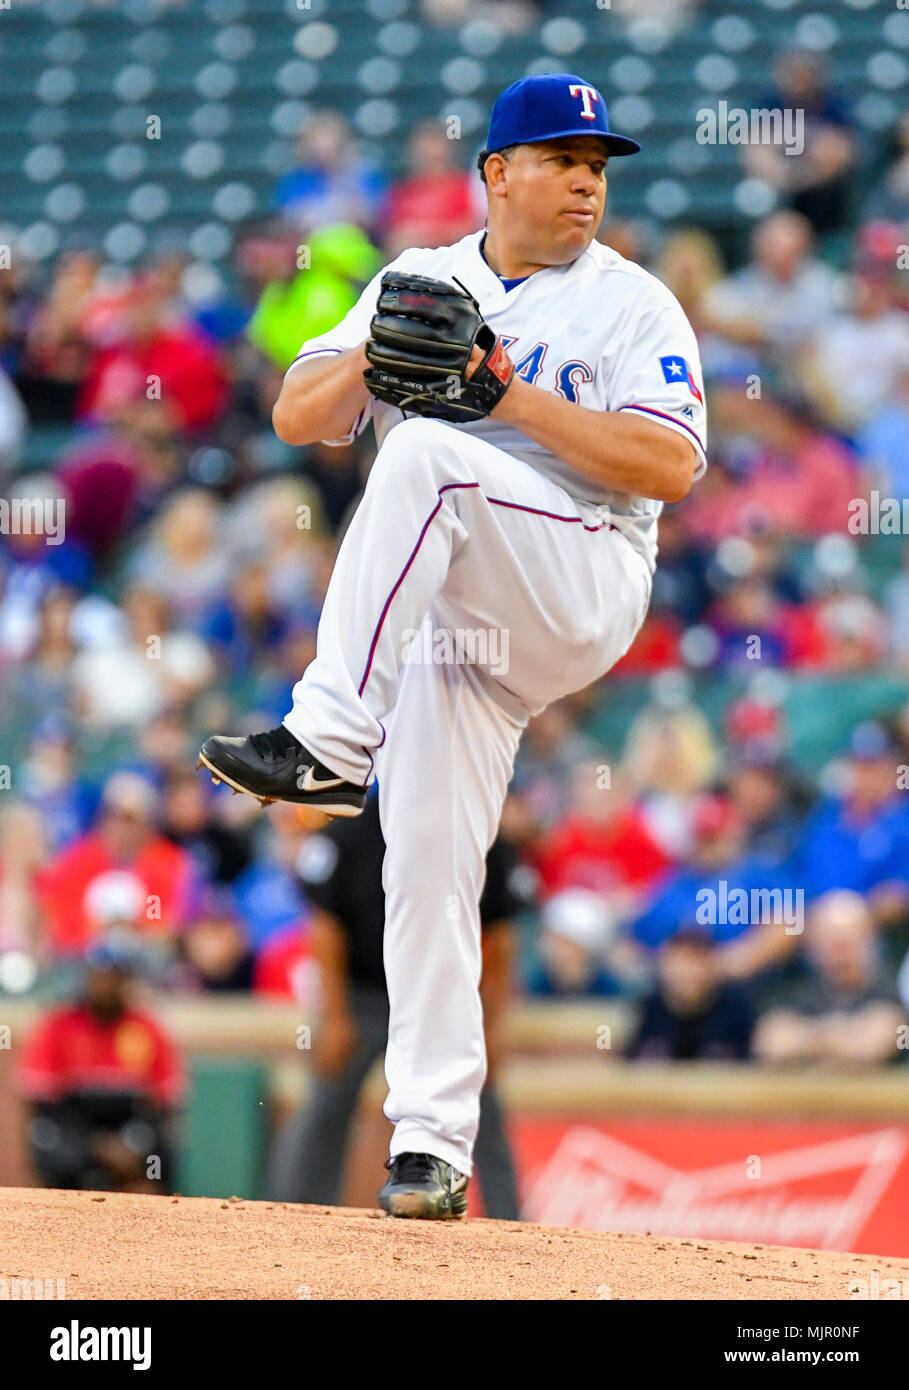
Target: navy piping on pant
x,y
494,501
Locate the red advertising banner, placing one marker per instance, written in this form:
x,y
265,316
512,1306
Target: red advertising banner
x,y
831,1187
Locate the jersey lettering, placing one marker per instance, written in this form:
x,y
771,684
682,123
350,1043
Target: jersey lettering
x,y
531,364
569,378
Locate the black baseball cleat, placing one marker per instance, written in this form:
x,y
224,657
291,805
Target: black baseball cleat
x,y
275,766
425,1187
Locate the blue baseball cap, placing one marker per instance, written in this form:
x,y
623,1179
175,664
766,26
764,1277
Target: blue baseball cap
x,y
112,955
549,107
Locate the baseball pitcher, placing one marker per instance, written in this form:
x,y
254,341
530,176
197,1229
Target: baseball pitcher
x,y
536,400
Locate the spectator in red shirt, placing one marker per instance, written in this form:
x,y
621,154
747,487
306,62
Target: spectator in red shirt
x,y
157,354
102,1079
602,845
800,478
126,844
285,968
844,630
437,203
656,647
804,478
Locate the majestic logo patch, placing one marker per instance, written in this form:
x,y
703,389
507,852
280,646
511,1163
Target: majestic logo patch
x,y
677,369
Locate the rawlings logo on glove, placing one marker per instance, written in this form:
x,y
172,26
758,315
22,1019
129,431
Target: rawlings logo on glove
x,y
420,343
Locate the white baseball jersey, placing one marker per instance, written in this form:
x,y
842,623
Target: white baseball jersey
x,y
601,332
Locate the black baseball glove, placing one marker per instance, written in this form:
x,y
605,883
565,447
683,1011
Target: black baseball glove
x,y
420,341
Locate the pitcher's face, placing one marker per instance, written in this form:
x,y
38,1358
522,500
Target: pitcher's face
x,y
553,196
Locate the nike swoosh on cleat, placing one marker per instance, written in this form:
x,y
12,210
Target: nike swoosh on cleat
x,y
310,783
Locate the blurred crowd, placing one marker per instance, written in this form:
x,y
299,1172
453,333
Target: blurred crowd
x,y
185,594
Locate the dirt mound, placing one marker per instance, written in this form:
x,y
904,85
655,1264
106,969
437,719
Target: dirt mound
x,y
127,1247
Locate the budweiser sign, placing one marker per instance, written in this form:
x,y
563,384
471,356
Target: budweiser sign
x,y
821,1193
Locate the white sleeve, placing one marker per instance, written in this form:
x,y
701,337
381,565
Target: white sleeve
x,y
658,376
347,334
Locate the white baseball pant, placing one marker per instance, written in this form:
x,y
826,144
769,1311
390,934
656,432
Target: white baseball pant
x,y
521,594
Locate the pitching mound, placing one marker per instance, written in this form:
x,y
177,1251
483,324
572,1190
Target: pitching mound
x,y
127,1247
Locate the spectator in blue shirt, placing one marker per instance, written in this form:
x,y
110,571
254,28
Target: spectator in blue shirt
x,y
717,856
268,894
883,442
331,182
247,625
860,839
723,889
50,781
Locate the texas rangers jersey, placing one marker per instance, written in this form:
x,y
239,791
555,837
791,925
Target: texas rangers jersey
x,y
601,332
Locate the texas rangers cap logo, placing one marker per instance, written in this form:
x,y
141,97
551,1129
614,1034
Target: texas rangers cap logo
x,y
552,106
587,95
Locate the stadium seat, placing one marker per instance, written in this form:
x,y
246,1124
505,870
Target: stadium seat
x,y
230,85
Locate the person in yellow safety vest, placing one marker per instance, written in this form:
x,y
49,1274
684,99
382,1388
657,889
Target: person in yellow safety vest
x,y
337,261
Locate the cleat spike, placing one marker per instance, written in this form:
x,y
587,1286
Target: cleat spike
x,y
216,781
236,792
198,764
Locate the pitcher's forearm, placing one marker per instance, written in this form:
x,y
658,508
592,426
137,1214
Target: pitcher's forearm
x,y
322,398
613,450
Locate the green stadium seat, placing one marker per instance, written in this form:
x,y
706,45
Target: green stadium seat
x,y
229,84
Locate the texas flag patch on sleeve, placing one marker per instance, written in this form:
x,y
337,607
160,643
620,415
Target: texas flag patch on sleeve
x,y
677,369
